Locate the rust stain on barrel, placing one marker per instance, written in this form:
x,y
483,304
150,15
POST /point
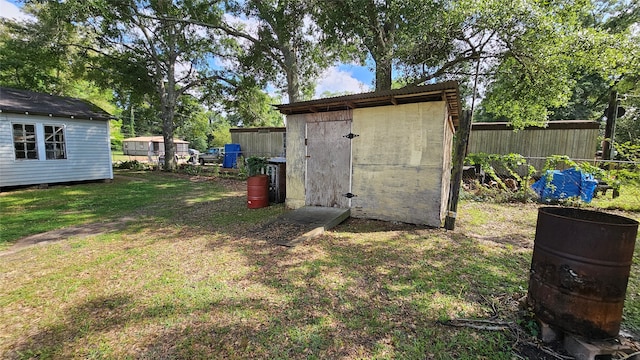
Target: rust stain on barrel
x,y
580,269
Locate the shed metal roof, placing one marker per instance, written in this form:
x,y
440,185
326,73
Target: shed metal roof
x,y
17,101
446,91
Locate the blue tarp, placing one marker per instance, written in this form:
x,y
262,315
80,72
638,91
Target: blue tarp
x,y
559,185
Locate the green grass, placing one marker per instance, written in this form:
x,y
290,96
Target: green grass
x,y
190,277
117,155
33,211
629,199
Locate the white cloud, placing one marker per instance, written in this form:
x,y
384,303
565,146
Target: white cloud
x,y
11,11
335,80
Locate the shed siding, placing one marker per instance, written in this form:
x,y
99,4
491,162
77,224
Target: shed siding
x,y
260,143
296,152
296,161
447,165
398,163
87,146
575,143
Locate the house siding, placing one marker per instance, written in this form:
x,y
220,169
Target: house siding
x,y
87,149
140,146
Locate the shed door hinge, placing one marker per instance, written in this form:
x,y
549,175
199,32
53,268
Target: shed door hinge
x,y
349,195
351,136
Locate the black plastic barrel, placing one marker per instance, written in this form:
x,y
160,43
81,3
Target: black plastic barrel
x,y
580,269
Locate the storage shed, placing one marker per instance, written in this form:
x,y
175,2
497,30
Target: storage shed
x,y
384,155
50,139
577,139
261,141
152,146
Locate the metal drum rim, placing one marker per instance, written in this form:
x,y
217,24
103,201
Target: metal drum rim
x,y
625,221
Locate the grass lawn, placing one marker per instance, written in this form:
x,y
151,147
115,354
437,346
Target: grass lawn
x,y
187,275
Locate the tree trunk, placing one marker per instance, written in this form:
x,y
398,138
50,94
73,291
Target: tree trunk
x,y
383,74
169,96
293,81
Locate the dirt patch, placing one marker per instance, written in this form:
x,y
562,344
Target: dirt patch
x,y
80,231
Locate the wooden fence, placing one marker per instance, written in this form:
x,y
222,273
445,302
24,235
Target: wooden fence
x,y
577,139
269,142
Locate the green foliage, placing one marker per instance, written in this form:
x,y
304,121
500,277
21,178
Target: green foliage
x,y
192,122
541,79
628,151
284,50
131,165
220,134
512,164
243,169
516,167
191,169
256,165
252,107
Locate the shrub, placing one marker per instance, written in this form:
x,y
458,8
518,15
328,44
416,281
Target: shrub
x,y
130,165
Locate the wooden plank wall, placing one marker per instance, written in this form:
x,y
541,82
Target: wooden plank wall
x,y
297,151
575,143
260,142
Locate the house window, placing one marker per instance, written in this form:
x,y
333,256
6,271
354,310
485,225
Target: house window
x,y
24,141
54,142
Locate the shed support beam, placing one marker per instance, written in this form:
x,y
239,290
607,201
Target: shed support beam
x,y
462,139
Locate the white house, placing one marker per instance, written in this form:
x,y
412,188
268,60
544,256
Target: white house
x,y
152,146
48,139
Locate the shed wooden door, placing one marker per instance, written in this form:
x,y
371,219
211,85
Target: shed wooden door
x,y
328,163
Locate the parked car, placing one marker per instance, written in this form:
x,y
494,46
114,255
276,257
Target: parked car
x,y
212,155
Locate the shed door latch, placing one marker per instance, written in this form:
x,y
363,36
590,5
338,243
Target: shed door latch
x,y
351,136
349,195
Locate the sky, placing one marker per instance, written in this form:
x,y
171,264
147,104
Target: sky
x,y
336,79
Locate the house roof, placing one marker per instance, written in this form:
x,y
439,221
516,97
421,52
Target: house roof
x,y
446,91
154,139
28,102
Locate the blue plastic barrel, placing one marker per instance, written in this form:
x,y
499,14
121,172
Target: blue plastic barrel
x,y
231,154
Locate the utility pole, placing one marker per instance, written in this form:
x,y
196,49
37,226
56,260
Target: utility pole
x,y
609,130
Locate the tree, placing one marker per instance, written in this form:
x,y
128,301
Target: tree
x,y
578,64
38,56
524,52
143,48
283,48
368,26
33,57
192,122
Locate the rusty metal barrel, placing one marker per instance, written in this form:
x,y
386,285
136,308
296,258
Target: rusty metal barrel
x,y
258,191
580,269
